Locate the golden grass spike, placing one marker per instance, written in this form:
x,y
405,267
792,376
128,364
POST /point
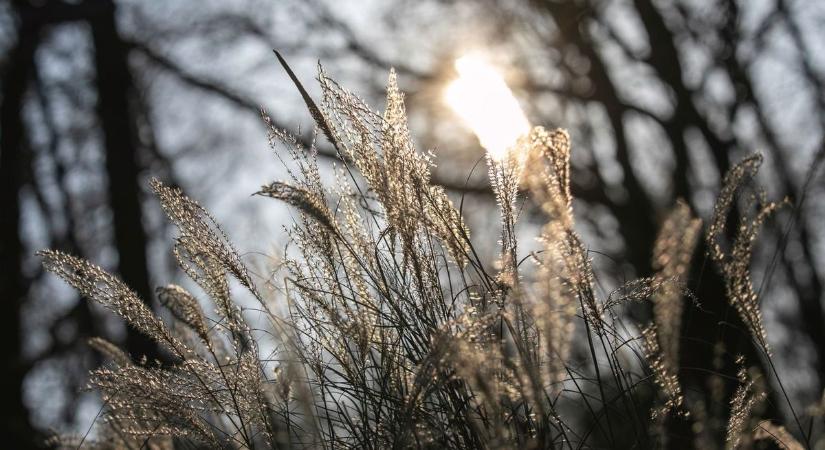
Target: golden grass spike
x,y
185,307
305,201
746,397
199,229
106,289
734,263
778,434
111,351
664,374
672,253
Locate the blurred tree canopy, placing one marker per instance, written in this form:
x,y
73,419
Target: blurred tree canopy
x,y
660,99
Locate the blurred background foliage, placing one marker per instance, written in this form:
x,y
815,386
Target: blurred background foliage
x,y
660,97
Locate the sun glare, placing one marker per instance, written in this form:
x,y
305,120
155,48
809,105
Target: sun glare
x,y
485,103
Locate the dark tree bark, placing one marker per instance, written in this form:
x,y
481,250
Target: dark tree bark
x,y
121,145
17,430
115,92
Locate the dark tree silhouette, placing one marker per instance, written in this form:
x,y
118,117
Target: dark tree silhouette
x,y
116,113
13,284
116,103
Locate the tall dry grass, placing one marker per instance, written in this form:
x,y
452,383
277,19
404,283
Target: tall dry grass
x,y
391,332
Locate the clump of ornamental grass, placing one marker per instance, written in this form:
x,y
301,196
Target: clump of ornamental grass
x,y
394,333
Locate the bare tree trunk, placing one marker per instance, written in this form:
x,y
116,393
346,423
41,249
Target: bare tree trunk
x,y
18,432
115,88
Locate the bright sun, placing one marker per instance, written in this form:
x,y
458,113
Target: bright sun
x,y
484,101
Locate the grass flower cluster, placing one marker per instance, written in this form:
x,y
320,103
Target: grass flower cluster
x,y
390,330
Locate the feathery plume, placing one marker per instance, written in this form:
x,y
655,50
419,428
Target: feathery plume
x,y
778,434
735,263
184,307
111,351
672,252
199,231
742,403
305,201
664,374
106,289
